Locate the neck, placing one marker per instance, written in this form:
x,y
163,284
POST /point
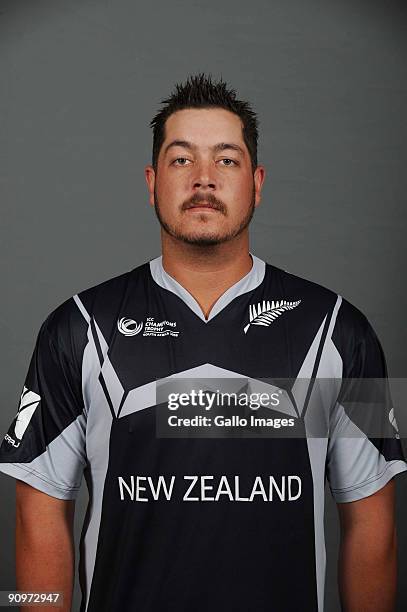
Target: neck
x,y
206,272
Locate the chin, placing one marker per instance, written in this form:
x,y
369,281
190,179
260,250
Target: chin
x,y
204,240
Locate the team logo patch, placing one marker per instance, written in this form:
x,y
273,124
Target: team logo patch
x,y
264,313
130,327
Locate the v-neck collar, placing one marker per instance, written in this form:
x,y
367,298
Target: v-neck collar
x,y
250,281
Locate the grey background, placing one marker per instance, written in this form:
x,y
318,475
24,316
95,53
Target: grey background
x,y
80,81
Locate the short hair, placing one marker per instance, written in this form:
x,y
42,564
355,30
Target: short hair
x,y
199,91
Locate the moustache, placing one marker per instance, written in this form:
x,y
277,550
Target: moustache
x,y
209,202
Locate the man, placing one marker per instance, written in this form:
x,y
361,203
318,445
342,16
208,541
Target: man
x,y
223,521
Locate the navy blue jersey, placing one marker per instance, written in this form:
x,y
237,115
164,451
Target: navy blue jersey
x,y
221,523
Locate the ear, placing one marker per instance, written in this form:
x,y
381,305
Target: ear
x,y
259,176
149,174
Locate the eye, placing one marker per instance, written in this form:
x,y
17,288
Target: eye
x,y
183,159
227,159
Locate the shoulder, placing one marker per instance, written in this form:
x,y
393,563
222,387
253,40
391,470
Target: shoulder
x,y
317,301
351,327
352,335
67,324
108,295
349,316
299,284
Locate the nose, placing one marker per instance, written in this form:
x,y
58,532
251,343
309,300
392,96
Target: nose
x,y
204,175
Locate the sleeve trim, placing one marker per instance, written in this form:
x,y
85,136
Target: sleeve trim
x,y
369,480
370,486
39,481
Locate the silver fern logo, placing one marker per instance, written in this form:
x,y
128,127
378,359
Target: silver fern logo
x,y
28,403
266,312
129,327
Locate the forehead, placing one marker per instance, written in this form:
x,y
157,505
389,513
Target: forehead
x,y
204,127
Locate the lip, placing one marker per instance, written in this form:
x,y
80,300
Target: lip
x,y
201,207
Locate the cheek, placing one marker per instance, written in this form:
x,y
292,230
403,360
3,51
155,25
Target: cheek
x,y
169,192
243,185
242,195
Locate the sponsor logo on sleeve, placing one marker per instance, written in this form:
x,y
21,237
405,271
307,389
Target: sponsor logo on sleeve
x,y
28,403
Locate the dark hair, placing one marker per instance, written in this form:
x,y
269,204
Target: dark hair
x,y
200,92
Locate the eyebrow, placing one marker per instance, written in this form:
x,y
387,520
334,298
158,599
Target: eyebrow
x,y
221,146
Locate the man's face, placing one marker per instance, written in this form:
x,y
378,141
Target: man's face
x,y
204,191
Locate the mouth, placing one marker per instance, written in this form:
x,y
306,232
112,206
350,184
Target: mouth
x,y
202,207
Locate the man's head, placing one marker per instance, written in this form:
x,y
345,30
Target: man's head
x,y
204,154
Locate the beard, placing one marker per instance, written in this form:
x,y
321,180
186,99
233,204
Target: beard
x,y
209,239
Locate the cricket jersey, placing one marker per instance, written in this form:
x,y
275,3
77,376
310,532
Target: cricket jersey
x,y
191,508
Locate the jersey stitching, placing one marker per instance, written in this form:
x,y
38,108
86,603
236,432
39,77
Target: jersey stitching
x,y
42,477
369,480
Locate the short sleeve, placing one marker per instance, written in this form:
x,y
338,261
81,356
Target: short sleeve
x,y
45,443
364,447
